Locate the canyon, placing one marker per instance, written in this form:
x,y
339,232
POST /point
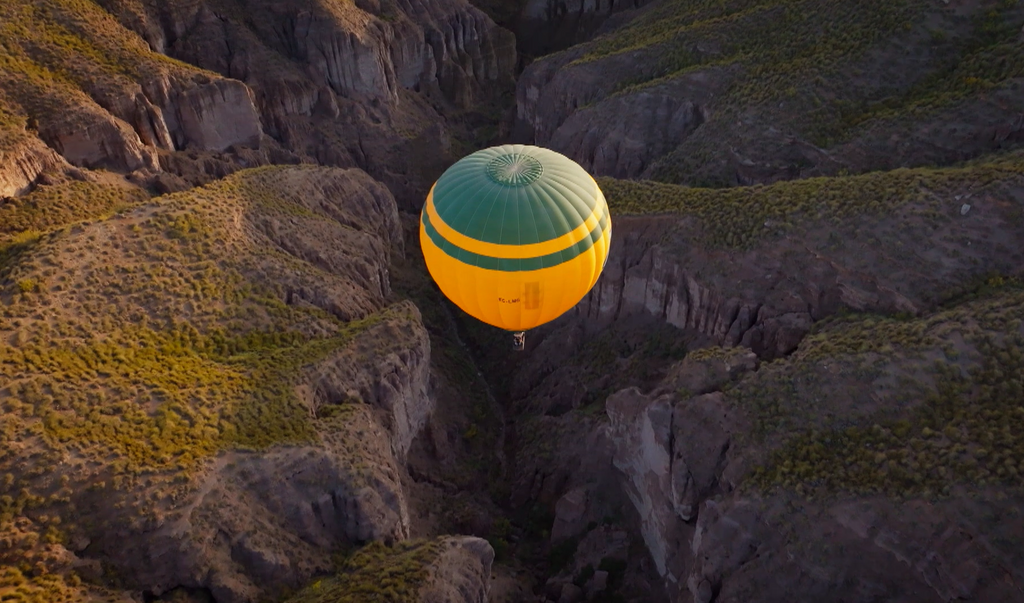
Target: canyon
x,y
226,376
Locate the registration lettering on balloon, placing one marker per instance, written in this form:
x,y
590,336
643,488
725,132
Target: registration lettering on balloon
x,y
508,301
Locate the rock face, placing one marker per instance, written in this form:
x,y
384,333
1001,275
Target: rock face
x,y
572,108
767,298
327,470
184,111
547,26
366,51
684,443
102,117
210,117
461,573
360,98
361,250
261,523
454,46
647,429
100,142
681,462
671,457
22,163
391,378
624,135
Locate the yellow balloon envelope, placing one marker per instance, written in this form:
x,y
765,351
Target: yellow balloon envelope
x,y
515,235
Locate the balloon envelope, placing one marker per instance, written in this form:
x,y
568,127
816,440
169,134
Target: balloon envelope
x,y
515,235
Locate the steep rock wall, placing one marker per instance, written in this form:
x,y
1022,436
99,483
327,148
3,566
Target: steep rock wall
x,y
22,163
767,297
546,26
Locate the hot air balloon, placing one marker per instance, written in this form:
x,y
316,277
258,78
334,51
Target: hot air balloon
x,y
515,235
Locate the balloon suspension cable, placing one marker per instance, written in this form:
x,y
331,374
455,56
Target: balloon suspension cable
x,y
519,341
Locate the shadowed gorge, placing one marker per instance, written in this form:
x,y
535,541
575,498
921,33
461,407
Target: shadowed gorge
x,y
227,376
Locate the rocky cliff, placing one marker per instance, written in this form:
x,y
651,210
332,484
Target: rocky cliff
x,y
328,87
546,26
24,160
263,523
862,256
116,112
348,84
685,462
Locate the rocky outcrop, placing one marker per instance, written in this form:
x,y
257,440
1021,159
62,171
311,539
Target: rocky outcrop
x,y
123,126
683,446
671,456
551,89
209,117
587,111
387,368
595,112
326,83
697,375
364,51
23,163
564,466
180,110
454,46
756,550
351,231
626,133
681,464
324,468
88,136
641,432
651,280
372,82
461,572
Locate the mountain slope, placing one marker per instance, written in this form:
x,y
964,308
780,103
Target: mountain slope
x,y
142,346
719,93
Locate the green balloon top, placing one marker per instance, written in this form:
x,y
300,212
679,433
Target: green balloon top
x,y
516,195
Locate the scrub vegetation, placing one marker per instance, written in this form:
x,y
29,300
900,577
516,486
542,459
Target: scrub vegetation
x,y
378,574
930,402
142,344
823,70
742,217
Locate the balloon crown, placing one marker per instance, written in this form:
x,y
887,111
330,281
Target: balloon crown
x,y
514,169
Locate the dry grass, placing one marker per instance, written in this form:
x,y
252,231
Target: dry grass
x,y
49,207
